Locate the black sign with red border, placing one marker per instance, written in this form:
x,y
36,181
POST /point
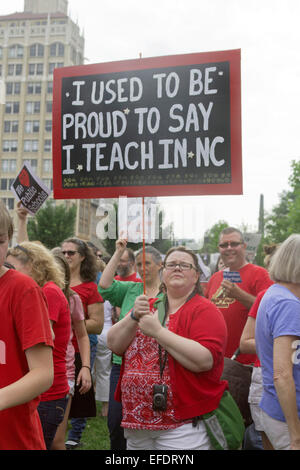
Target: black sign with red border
x,y
163,126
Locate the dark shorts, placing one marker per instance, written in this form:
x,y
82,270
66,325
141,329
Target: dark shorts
x,y
51,415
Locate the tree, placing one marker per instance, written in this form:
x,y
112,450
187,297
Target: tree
x,y
211,237
52,224
285,216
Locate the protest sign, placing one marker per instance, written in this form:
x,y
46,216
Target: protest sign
x,y
252,241
29,189
149,127
233,276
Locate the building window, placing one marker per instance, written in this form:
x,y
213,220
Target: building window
x,y
32,162
9,202
16,51
12,107
11,126
34,88
49,106
33,107
36,50
31,126
8,166
57,49
31,145
48,126
13,88
48,182
50,87
14,69
47,145
10,145
35,69
5,183
52,66
47,165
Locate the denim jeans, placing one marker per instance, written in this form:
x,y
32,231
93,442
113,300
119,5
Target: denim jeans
x,y
114,418
78,424
51,415
252,439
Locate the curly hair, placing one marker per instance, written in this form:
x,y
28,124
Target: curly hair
x,y
88,267
44,267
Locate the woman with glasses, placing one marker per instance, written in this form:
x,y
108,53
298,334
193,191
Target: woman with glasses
x,y
83,269
122,294
26,344
173,351
36,261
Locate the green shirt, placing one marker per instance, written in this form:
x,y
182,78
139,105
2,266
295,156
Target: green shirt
x,y
122,294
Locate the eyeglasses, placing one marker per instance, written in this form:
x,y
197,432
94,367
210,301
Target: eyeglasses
x,y
232,244
69,252
182,266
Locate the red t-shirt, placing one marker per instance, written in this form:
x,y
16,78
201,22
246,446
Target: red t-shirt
x,y
59,313
254,279
133,277
24,324
88,292
192,394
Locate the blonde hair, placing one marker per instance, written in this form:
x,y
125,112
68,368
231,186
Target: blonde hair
x,y
44,267
285,263
6,223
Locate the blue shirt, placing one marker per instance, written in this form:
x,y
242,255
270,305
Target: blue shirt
x,y
278,315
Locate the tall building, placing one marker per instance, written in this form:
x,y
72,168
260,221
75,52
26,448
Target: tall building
x,y
32,44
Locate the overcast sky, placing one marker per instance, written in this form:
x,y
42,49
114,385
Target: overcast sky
x,y
268,34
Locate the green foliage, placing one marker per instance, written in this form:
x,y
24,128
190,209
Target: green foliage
x,y
211,237
52,224
285,217
95,435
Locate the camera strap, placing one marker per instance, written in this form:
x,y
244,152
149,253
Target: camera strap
x,y
162,307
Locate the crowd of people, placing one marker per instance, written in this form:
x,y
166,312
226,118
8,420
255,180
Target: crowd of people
x,y
146,337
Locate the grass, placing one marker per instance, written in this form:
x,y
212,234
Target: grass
x,y
95,435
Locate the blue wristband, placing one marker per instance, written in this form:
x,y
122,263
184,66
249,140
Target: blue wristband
x,y
133,316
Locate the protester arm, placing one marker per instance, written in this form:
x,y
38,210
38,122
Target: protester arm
x,y
22,224
285,385
111,267
84,376
95,321
190,354
36,381
120,335
247,342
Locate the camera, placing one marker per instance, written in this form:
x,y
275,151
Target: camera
x,y
160,393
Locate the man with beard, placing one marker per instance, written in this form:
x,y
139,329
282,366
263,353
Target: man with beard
x,y
126,267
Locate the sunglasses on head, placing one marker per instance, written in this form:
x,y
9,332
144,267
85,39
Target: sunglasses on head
x,y
69,252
